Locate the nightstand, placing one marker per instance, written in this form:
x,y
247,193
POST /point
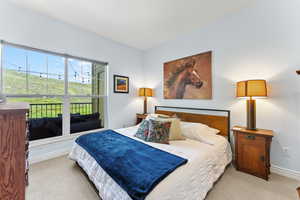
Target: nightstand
x,y
140,117
252,151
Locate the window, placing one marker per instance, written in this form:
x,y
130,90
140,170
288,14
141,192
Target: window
x,y
66,94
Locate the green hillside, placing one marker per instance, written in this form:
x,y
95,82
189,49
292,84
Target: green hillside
x,y
15,83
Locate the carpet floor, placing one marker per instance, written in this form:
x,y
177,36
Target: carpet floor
x,y
61,179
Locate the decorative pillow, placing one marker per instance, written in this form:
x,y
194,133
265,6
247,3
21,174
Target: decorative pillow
x,y
143,130
175,129
159,131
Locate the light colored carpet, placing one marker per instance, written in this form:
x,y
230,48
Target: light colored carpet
x,y
61,179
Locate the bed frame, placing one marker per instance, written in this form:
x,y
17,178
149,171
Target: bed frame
x,y
218,121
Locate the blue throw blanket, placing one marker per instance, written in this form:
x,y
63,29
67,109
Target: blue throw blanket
x,y
135,166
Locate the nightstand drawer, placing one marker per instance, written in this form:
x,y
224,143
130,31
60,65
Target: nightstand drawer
x,y
250,138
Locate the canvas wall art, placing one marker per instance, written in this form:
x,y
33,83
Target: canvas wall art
x,y
189,77
121,84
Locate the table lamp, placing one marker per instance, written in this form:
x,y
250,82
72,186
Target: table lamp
x,y
145,92
251,89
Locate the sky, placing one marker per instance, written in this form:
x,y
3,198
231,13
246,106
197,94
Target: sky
x,y
15,58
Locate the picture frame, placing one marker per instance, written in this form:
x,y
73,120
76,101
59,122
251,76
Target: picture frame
x,y
121,84
189,77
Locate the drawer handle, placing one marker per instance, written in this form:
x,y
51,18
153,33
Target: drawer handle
x,y
250,137
262,158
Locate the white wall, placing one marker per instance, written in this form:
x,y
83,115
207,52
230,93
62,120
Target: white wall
x,y
21,26
258,42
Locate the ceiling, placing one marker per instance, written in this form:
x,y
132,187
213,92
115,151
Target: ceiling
x,y
142,24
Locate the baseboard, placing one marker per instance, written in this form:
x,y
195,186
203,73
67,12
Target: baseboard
x,y
52,147
285,172
47,156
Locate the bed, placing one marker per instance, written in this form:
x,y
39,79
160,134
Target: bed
x,y
192,181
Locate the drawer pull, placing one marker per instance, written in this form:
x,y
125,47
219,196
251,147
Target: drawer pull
x,y
250,137
262,158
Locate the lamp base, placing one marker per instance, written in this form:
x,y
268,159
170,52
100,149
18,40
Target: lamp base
x,y
145,105
251,114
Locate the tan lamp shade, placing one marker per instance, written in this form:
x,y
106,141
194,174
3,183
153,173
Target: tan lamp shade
x,y
145,92
251,88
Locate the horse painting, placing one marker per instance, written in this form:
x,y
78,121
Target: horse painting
x,y
188,78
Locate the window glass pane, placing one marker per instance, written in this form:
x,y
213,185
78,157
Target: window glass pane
x,y
14,70
36,72
86,114
98,79
86,78
31,72
45,117
79,77
55,75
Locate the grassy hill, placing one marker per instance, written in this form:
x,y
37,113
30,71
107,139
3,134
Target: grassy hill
x,y
15,83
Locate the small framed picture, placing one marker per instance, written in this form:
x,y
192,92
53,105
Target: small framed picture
x,y
121,84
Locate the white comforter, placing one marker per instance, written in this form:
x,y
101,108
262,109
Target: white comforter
x,y
192,181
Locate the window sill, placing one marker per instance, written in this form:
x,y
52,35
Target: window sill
x,y
42,142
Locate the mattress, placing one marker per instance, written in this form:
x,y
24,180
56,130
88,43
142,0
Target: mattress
x,y
192,181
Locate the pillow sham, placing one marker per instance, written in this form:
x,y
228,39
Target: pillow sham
x,y
175,129
149,116
158,131
199,132
143,130
209,130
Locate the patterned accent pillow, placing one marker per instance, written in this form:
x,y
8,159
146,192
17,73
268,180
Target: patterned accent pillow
x,y
143,130
159,131
175,129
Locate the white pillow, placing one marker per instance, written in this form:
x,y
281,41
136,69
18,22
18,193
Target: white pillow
x,y
175,129
209,130
212,131
199,132
156,115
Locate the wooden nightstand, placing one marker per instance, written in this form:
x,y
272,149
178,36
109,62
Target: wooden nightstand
x,y
252,151
140,117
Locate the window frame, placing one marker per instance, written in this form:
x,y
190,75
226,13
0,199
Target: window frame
x,y
66,97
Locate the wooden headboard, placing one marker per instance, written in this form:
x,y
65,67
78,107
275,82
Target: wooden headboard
x,y
220,122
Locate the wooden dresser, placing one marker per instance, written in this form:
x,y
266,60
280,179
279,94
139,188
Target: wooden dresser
x,y
13,151
252,151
